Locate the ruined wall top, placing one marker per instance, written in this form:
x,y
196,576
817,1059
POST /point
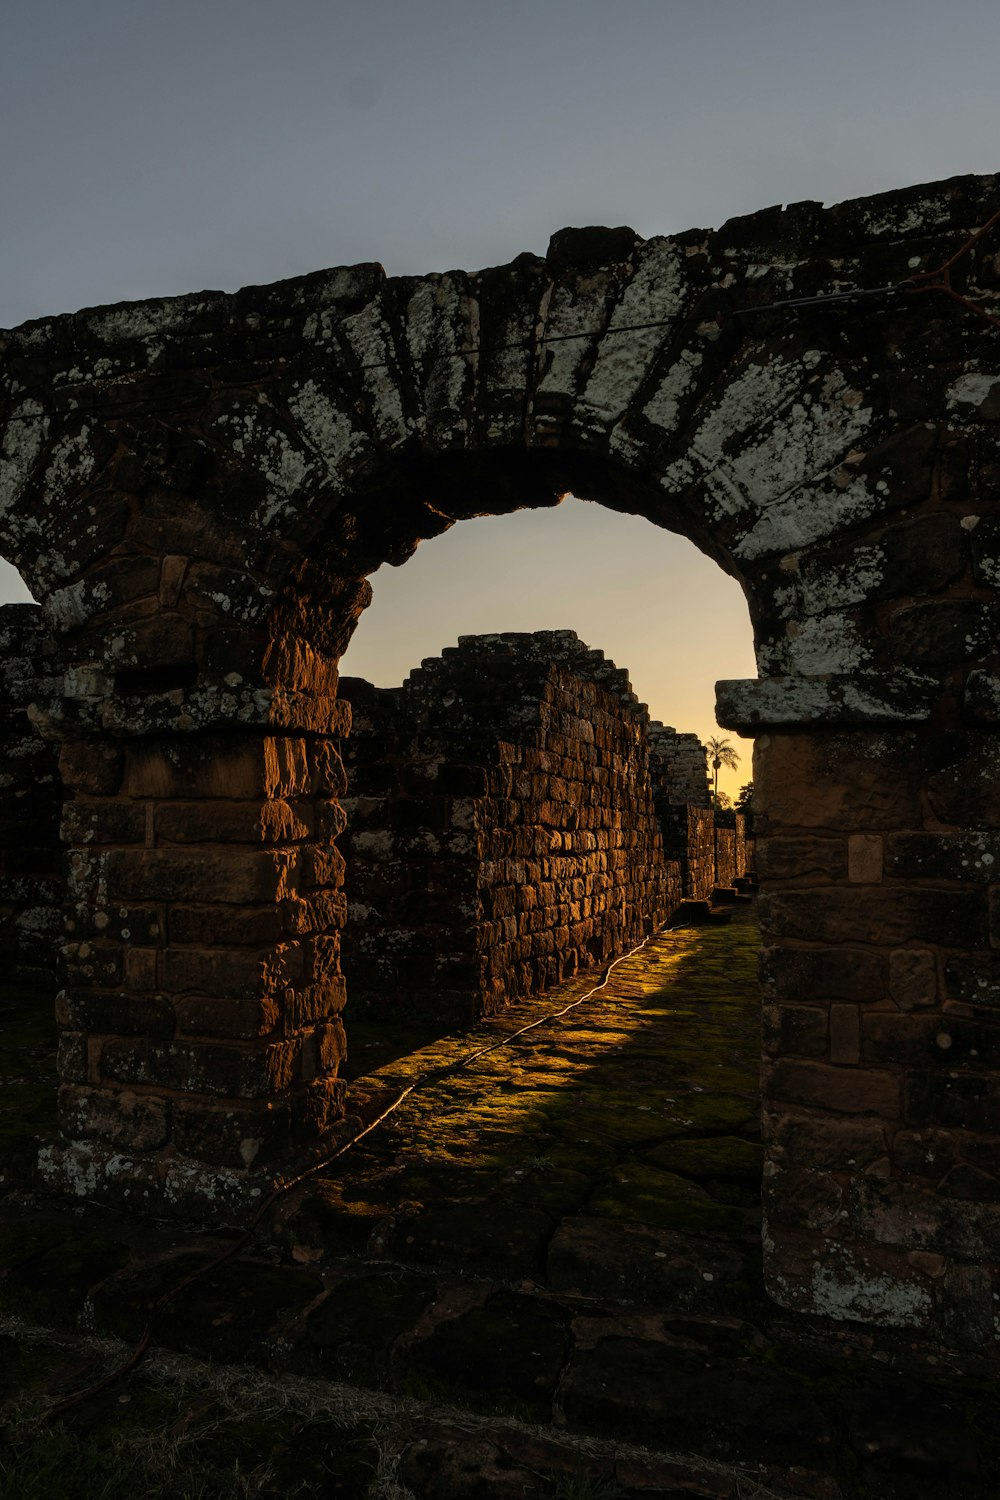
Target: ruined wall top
x,y
495,682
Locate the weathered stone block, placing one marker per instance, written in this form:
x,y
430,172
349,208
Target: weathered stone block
x,y
103,821
231,876
823,974
845,1034
849,782
231,1134
913,982
801,856
802,1198
878,915
211,926
239,974
250,822
137,1122
222,1070
795,1030
937,633
910,1216
232,1017
94,770
963,782
811,1139
933,856
844,1090
928,1040
973,978
963,1100
314,1002
864,858
323,865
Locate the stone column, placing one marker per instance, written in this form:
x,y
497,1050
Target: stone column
x,y
200,1019
881,983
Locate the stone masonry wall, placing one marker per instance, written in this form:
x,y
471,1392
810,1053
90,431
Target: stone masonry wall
x,y
689,838
679,764
198,489
501,832
730,846
31,883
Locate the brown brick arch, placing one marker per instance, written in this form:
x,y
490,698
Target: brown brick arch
x,y
197,488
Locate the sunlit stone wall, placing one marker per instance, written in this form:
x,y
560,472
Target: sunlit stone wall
x,y
502,833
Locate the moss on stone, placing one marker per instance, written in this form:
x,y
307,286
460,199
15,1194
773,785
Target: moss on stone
x,y
724,1158
650,1196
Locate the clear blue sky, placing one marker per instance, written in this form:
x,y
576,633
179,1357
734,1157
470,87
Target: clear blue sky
x,y
153,148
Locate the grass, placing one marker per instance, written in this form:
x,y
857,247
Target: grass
x,y
39,1461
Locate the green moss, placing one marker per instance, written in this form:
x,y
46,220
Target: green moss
x,y
649,1196
724,1158
713,1114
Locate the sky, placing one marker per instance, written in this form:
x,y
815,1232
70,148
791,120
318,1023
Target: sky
x,y
153,149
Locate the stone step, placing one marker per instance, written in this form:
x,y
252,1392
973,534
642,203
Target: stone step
x,y
728,895
693,913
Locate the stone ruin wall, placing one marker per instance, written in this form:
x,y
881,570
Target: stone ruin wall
x,y
502,831
680,766
689,838
730,846
31,883
459,782
218,471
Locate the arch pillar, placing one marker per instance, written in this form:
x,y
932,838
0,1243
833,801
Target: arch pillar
x,y
879,923
200,1016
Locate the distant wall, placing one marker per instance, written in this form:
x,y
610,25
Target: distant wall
x,y
689,838
31,886
679,766
733,854
502,833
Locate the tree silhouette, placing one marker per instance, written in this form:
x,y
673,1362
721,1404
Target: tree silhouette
x,y
721,753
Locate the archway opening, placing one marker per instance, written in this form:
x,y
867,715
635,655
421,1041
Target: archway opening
x,y
656,607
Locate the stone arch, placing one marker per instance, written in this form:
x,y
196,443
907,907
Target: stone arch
x,y
196,489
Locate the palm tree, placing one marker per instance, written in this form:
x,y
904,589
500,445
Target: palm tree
x,y
721,753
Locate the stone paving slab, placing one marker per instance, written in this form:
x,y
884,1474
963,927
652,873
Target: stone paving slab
x,y
564,1238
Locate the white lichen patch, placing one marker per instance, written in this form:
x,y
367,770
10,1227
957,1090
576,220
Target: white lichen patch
x,y
22,447
655,295
809,515
916,218
369,336
70,465
833,587
826,645
664,406
143,320
73,605
971,389
843,1287
328,429
775,427
441,327
572,318
255,435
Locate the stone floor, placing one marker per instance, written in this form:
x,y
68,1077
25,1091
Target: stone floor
x,y
539,1277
